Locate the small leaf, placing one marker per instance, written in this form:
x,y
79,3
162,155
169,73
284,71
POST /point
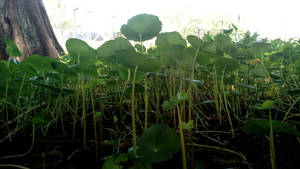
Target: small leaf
x,y
174,100
169,104
40,119
267,104
181,96
234,27
140,48
187,125
227,31
115,162
97,115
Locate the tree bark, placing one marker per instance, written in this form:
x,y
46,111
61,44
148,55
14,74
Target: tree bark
x,y
26,23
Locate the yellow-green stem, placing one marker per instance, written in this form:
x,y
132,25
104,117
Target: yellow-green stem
x,y
183,153
95,126
133,111
146,103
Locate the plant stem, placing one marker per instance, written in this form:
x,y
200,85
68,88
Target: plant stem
x,y
133,111
183,153
95,126
76,107
271,141
83,120
146,103
222,149
27,152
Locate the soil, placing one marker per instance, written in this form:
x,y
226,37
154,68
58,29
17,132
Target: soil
x,y
58,152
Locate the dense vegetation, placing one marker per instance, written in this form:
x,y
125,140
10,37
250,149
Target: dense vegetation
x,y
215,102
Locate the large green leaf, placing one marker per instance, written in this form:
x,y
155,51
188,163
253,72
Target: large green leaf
x,y
158,143
259,71
40,118
131,59
124,73
262,127
150,65
142,27
186,60
109,48
12,49
41,64
204,58
194,41
226,65
170,54
164,40
81,52
224,44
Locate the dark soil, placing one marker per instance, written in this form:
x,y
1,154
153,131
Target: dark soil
x,y
57,152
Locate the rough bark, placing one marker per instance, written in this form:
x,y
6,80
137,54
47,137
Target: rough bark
x,y
27,24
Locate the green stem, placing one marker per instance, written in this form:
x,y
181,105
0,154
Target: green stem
x,y
76,107
83,120
12,166
95,126
133,111
183,153
287,113
27,152
146,103
222,149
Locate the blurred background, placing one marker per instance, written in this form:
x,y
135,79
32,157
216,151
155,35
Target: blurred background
x,y
98,21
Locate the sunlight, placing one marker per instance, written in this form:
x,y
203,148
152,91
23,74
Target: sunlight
x,y
271,18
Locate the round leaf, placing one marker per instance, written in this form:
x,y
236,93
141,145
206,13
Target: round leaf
x,y
80,51
130,58
226,65
150,65
142,27
123,72
158,143
109,48
194,41
170,54
262,127
169,38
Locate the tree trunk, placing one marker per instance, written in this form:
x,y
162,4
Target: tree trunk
x,y
27,24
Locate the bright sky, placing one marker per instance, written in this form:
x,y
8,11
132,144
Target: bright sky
x,y
271,18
